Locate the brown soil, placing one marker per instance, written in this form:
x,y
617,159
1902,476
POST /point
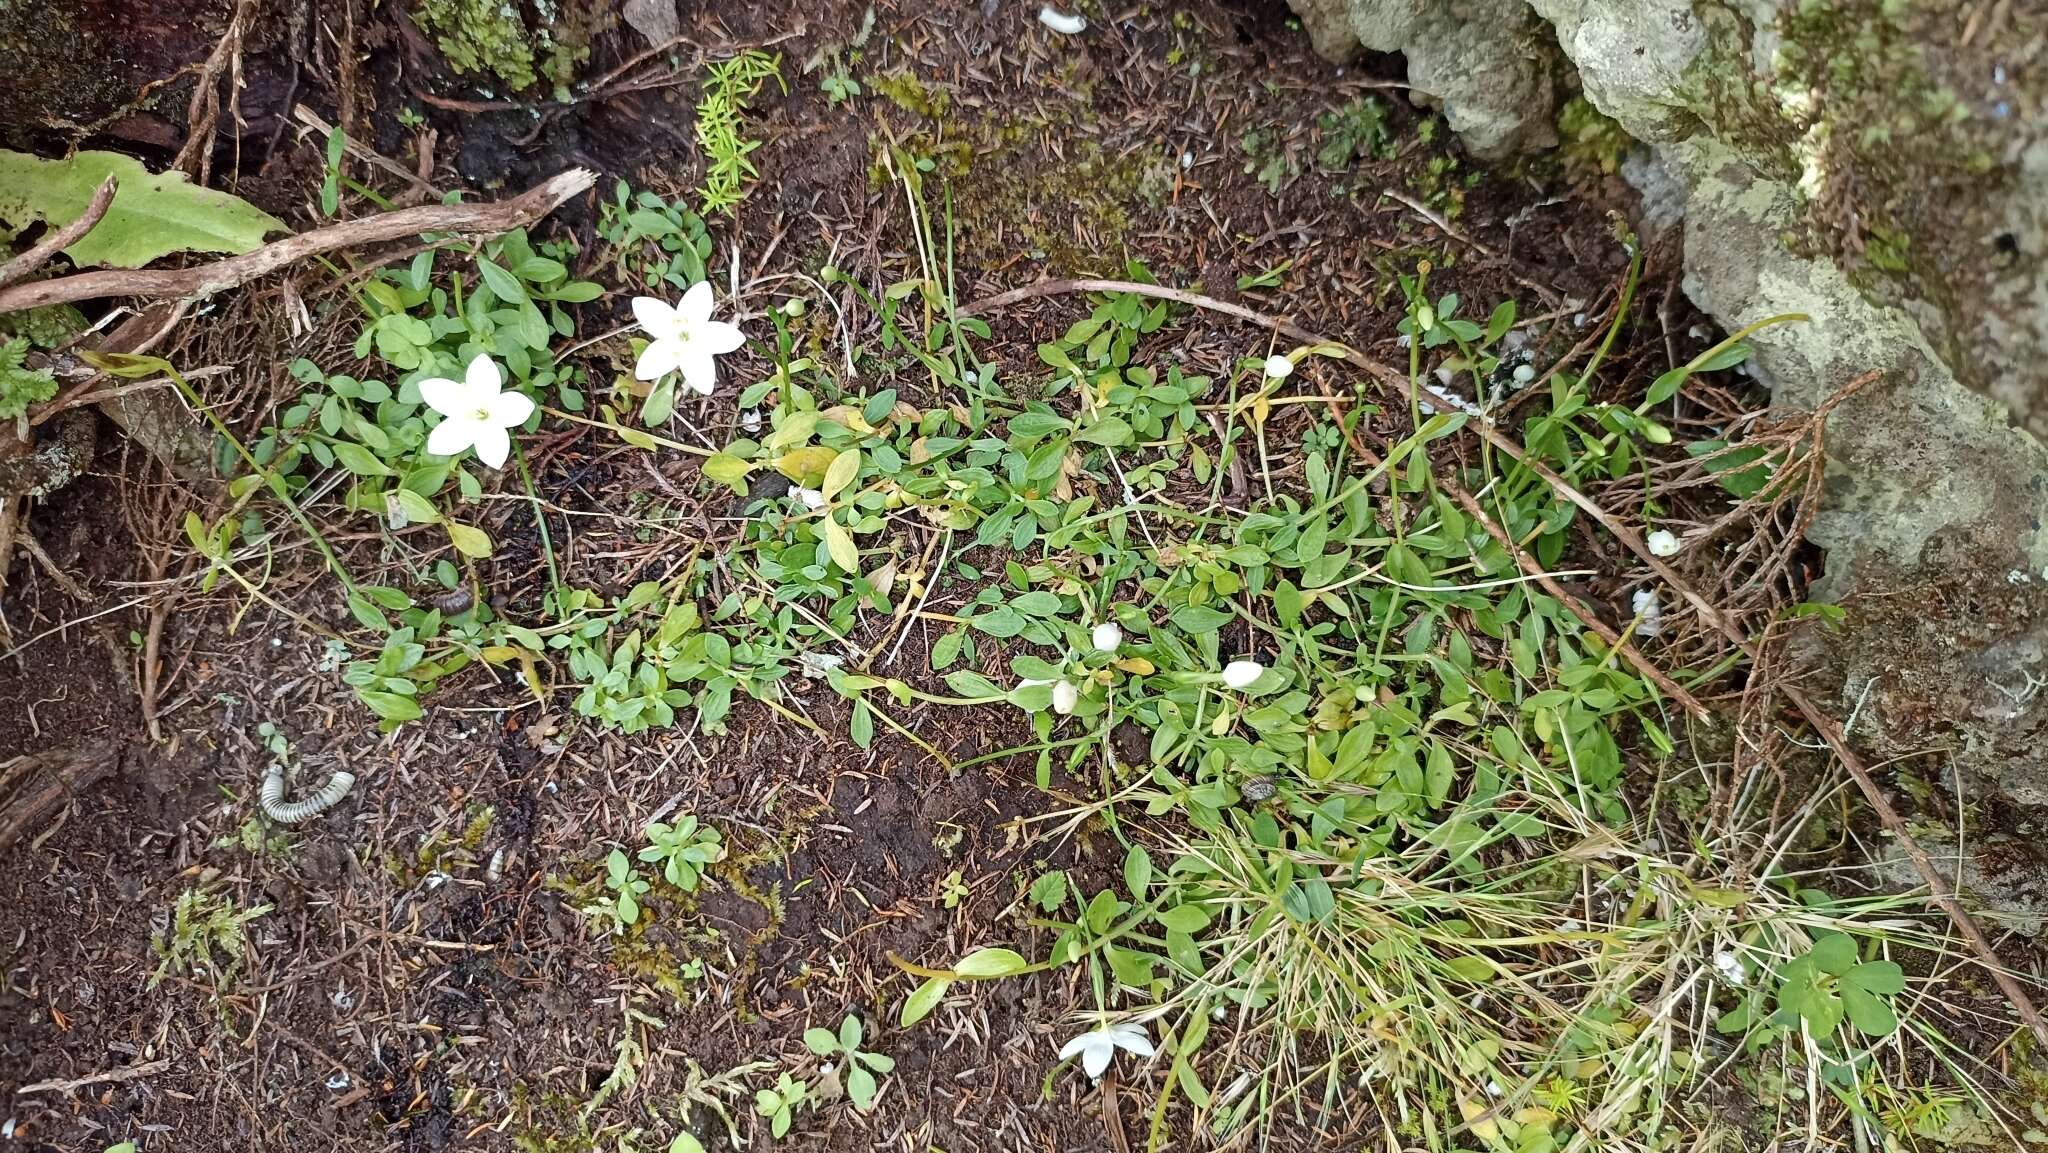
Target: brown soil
x,y
424,981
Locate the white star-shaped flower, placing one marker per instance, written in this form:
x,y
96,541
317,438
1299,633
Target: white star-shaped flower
x,y
1097,1046
683,338
476,412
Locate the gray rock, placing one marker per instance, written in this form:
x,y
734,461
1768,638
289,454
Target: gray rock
x,y
1490,64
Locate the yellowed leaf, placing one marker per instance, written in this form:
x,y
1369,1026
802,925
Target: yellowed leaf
x,y
844,468
840,544
806,466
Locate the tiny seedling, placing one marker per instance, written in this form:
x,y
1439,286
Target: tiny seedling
x,y
861,1066
627,886
779,1104
683,849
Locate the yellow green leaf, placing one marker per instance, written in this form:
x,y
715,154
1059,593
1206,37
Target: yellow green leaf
x,y
806,466
839,543
728,469
417,509
468,539
844,468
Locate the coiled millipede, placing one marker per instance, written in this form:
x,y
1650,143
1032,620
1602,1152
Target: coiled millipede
x,y
293,812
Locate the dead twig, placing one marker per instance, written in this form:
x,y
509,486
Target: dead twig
x,y
59,239
206,279
1939,891
111,1076
202,113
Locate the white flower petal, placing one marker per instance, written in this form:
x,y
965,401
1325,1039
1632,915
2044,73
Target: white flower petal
x,y
700,372
509,409
1132,1039
658,359
1279,367
1077,1045
812,498
656,317
1662,543
444,396
1241,674
452,436
695,307
493,445
717,337
1095,1060
483,379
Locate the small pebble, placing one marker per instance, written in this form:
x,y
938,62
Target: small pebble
x,y
1524,373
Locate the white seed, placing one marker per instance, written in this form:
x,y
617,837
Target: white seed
x,y
1061,22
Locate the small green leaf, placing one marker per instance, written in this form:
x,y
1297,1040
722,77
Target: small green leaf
x,y
728,470
1110,432
505,285
1666,386
923,1000
1873,1016
820,1041
391,706
359,460
1137,871
1884,978
985,963
1834,953
417,509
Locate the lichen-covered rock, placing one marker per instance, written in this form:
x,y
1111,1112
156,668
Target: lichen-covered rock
x,y
1933,514
1491,64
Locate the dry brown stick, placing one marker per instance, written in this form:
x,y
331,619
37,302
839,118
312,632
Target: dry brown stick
x,y
206,279
1938,888
60,238
111,1076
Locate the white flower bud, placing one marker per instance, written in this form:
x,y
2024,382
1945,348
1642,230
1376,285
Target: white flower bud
x,y
1064,697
